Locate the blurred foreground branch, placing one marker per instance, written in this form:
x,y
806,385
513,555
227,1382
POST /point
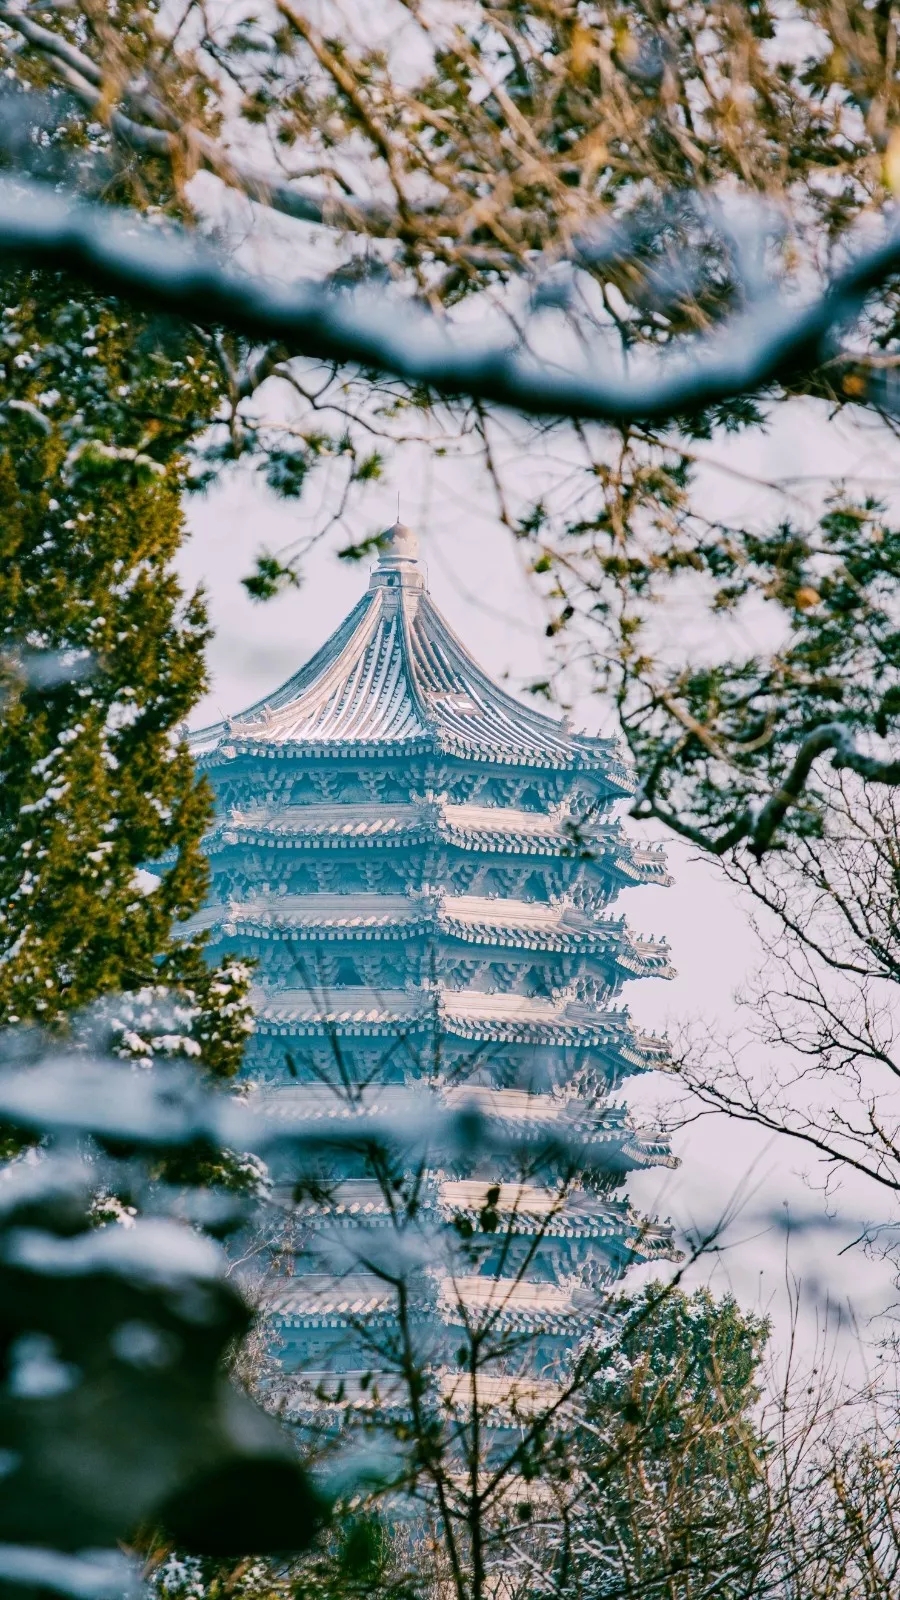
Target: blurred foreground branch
x,y
170,272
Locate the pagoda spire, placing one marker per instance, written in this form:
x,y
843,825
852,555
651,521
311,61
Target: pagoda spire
x,y
398,564
400,543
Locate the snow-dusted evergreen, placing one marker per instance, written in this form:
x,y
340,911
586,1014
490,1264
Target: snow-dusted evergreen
x,y
422,867
101,660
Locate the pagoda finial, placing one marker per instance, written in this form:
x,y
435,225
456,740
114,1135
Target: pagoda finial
x,y
398,563
401,544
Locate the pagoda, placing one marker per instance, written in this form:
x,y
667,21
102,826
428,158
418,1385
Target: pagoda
x,y
421,868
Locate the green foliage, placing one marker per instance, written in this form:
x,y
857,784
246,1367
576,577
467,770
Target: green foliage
x,y
102,660
369,468
270,576
361,549
286,470
357,1558
673,1355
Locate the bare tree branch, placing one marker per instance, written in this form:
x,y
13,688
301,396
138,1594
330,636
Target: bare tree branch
x,y
760,826
159,135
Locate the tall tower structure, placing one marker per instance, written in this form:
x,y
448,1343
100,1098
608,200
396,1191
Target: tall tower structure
x,y
422,869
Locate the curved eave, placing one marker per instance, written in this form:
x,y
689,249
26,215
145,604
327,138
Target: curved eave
x,y
527,1224
644,866
619,1239
230,747
519,1113
276,838
536,1322
505,1400
573,1217
608,856
604,948
205,741
309,1319
559,1324
283,1019
578,762
473,713
623,1062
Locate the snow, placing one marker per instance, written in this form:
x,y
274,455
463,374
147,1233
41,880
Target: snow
x,y
97,1575
152,1251
35,1370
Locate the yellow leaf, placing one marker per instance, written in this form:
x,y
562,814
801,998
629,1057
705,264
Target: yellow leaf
x,y
625,44
582,49
892,162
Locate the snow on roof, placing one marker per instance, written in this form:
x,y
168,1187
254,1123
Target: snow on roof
x,y
522,925
395,674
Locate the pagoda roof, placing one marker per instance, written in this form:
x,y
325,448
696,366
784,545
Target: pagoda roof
x,y
517,1394
528,1208
322,1298
472,1014
315,1299
518,1108
394,675
498,830
524,1114
518,1305
523,1208
556,926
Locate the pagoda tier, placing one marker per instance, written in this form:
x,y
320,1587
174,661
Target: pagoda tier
x,y
552,1226
509,1037
510,1400
606,1131
427,841
420,867
462,941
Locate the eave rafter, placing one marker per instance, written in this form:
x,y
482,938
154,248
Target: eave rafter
x,y
600,848
448,925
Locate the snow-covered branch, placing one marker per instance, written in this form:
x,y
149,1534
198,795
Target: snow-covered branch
x,y
172,272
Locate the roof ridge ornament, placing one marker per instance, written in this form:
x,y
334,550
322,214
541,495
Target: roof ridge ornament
x,y
398,564
404,543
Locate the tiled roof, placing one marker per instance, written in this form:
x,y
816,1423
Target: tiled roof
x,y
499,923
524,1113
498,830
518,1305
464,1013
361,1199
315,1299
523,1209
394,674
515,1394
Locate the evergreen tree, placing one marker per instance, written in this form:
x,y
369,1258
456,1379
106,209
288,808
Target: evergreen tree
x,y
675,1499
102,659
360,1556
